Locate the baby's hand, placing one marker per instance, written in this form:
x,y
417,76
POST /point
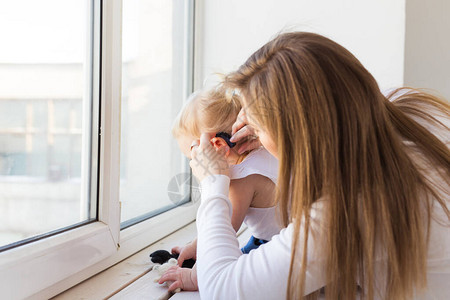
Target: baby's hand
x,y
183,278
186,252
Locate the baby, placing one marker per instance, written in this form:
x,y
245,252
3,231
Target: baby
x,y
253,173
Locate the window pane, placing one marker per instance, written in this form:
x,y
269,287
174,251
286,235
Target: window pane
x,y
154,84
45,71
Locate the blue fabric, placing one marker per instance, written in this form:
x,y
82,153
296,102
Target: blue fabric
x,y
253,243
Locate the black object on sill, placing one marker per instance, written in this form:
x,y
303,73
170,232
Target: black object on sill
x,y
163,256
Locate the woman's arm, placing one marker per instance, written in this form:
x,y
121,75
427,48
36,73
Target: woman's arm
x,y
224,273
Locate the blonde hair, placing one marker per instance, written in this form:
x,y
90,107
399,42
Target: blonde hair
x,y
338,137
213,110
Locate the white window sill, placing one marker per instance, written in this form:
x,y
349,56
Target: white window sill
x,y
132,278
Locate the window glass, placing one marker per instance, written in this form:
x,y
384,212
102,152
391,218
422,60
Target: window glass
x,y
45,75
155,77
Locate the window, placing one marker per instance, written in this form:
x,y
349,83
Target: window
x,y
60,141
45,119
154,83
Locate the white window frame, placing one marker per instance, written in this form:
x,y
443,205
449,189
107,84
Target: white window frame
x,y
47,267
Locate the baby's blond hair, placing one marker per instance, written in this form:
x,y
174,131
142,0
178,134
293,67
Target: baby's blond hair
x,y
213,110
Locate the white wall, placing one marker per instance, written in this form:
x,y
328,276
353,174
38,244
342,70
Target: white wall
x,y
372,30
427,50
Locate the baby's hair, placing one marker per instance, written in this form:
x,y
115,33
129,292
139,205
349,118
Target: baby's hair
x,y
213,110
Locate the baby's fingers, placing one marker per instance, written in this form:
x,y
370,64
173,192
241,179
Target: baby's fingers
x,y
181,258
176,250
169,275
175,285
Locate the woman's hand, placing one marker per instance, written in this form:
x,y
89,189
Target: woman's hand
x,y
242,131
183,278
207,160
186,252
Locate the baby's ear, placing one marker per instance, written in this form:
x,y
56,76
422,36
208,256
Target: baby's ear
x,y
219,143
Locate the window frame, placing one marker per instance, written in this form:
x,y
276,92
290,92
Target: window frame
x,y
49,266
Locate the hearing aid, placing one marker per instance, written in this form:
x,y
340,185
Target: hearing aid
x,y
226,137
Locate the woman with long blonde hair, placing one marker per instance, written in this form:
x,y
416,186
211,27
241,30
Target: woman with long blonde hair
x,y
363,184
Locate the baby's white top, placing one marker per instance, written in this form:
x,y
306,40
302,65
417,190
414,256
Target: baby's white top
x,y
259,161
262,222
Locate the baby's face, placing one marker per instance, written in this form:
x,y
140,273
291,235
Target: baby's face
x,y
185,142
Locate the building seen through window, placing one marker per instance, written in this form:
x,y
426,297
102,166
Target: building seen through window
x,y
44,73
